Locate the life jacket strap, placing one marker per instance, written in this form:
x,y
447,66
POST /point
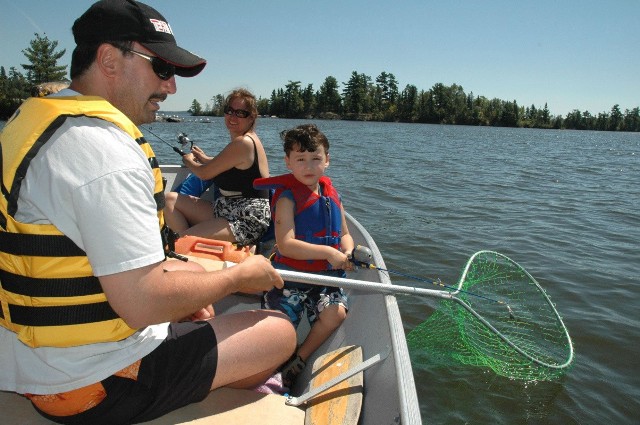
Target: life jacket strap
x,y
38,245
61,315
50,287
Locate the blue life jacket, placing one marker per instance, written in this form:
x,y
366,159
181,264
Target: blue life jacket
x,y
317,220
193,185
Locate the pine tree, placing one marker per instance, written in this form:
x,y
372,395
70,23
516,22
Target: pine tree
x,y
196,108
43,61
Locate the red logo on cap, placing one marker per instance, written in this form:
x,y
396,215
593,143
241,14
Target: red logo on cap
x,y
161,26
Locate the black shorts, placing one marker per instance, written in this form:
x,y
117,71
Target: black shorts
x,y
177,373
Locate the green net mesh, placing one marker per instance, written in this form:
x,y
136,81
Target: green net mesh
x,y
535,345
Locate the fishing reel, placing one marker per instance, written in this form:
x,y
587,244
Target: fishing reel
x,y
362,256
184,140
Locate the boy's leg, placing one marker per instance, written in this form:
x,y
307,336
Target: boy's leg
x,y
251,345
327,321
326,311
290,301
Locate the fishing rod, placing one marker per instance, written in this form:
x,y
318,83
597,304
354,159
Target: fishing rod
x,y
183,139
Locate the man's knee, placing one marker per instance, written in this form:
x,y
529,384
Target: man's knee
x,y
281,322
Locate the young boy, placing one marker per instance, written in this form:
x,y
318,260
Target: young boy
x,y
311,236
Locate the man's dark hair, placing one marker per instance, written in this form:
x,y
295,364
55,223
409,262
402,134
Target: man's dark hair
x,y
84,55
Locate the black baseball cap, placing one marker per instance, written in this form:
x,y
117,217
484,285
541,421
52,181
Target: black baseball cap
x,y
128,20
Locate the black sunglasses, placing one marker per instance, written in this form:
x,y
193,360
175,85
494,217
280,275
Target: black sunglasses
x,y
163,69
240,113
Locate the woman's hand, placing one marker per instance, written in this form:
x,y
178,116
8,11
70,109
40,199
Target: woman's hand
x,y
199,155
189,160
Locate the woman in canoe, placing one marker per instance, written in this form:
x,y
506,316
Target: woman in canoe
x,y
240,213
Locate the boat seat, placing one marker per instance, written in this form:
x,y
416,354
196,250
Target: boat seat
x,y
223,406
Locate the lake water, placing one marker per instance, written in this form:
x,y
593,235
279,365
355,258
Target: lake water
x,y
563,204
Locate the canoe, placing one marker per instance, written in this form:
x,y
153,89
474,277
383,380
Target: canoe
x,y
381,391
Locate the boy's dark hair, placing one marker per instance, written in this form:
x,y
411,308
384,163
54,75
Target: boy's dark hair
x,y
304,138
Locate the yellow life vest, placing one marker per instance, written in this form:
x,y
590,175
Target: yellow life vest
x,y
48,293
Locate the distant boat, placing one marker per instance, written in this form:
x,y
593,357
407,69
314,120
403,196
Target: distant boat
x,y
173,119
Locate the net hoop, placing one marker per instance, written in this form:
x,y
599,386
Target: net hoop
x,y
530,356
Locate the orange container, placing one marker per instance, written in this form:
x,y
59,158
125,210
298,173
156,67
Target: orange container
x,y
211,248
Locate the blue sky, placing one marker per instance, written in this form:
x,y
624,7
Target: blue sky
x,y
570,54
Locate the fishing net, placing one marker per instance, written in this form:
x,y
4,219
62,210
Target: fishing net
x,y
500,318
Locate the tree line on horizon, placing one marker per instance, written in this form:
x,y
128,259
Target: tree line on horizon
x,y
363,99
360,98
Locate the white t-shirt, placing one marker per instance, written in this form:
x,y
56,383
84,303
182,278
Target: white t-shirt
x,y
94,183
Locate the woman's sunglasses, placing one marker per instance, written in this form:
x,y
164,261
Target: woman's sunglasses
x,y
240,113
163,69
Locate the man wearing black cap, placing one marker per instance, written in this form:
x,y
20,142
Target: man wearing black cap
x,y
90,313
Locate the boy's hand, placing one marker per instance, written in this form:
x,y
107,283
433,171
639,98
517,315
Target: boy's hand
x,y
350,264
339,260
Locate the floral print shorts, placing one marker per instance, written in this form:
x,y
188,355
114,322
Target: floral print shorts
x,y
248,217
296,298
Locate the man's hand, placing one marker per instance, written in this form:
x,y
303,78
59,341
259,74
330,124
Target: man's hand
x,y
203,314
256,274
